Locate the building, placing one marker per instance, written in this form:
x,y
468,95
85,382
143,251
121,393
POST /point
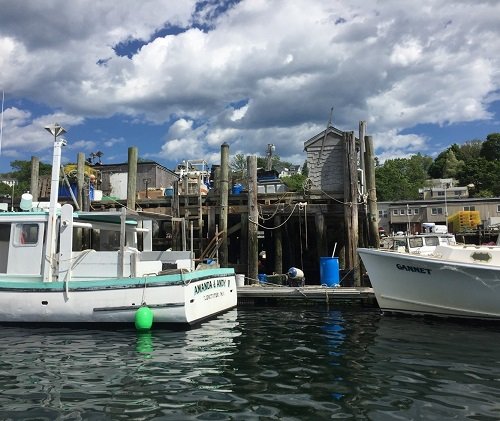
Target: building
x,y
408,216
150,176
326,160
443,187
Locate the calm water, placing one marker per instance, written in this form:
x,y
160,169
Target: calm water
x,y
256,363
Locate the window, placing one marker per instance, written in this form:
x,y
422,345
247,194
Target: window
x,y
408,211
416,211
469,208
458,193
436,211
382,214
416,242
498,208
26,234
440,193
432,241
402,212
395,212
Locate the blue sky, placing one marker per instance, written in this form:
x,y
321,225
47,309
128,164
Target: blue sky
x,y
179,78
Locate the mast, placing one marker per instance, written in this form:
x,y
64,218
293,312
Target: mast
x,y
50,246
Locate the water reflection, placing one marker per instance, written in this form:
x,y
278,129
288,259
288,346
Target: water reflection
x,y
257,363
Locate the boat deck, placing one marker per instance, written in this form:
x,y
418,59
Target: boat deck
x,y
259,294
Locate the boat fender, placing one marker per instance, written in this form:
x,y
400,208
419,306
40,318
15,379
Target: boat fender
x,y
295,273
143,318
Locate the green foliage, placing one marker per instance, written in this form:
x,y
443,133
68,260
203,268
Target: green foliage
x,y
295,182
469,150
238,166
305,169
447,165
21,172
490,149
483,177
400,179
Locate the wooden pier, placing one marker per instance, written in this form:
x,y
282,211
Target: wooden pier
x,y
259,294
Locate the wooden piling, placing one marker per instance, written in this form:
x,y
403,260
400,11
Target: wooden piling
x,y
80,177
278,245
374,239
224,193
132,178
351,206
35,172
253,219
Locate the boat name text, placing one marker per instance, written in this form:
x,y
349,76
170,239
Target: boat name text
x,y
213,283
413,269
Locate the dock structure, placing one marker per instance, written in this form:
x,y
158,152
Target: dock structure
x,y
258,294
330,216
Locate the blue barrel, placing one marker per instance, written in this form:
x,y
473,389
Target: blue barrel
x,y
329,271
237,189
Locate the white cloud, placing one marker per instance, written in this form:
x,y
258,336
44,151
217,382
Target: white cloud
x,y
396,65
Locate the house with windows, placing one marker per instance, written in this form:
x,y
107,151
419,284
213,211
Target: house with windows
x,y
443,187
409,216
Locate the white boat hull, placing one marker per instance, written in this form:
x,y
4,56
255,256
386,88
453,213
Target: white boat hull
x,y
415,284
174,299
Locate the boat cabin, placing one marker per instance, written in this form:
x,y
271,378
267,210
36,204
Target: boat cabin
x,y
120,246
418,243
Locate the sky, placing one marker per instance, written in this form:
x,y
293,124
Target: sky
x,y
179,78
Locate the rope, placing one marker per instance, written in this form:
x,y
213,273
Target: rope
x,y
278,226
144,291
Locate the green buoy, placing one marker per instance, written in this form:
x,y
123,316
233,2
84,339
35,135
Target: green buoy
x,y
143,318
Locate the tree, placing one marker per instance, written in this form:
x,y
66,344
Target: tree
x,y
295,182
490,149
305,169
401,178
238,166
451,165
484,175
21,172
469,150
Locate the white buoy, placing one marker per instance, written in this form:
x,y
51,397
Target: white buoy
x,y
26,202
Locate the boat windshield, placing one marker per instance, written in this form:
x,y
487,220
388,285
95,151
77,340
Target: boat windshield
x,y
416,242
431,241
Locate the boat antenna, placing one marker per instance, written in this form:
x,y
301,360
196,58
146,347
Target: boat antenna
x,y
326,132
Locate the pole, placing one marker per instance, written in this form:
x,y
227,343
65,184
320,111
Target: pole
x,y
253,219
372,193
50,248
35,170
224,193
132,177
351,207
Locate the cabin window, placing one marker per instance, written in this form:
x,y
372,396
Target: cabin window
x,y
415,211
26,234
394,212
416,242
401,211
408,211
432,241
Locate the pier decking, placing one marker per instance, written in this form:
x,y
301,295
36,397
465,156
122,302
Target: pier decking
x,y
257,294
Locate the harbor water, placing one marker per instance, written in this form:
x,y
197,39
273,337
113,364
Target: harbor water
x,y
256,364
